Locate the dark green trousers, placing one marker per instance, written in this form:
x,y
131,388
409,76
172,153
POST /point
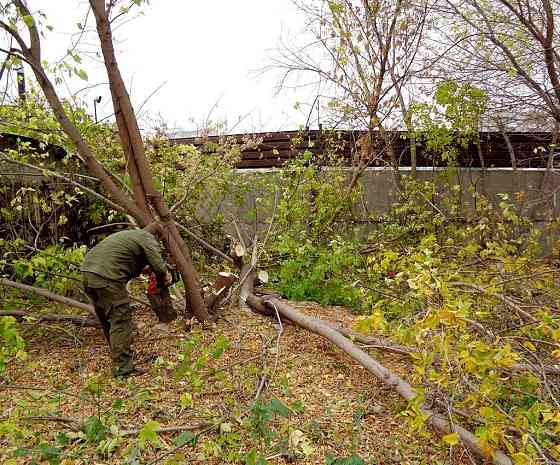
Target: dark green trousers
x,y
111,303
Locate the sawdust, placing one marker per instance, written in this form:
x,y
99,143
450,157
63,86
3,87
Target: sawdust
x,y
344,409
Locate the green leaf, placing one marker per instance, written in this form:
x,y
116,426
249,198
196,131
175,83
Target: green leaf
x,y
82,74
297,406
253,459
94,430
28,20
184,438
148,433
278,407
352,460
186,400
219,346
50,453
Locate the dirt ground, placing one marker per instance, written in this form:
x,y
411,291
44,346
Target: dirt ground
x,y
341,408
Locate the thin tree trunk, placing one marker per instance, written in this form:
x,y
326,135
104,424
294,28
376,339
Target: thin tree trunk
x,y
547,185
482,167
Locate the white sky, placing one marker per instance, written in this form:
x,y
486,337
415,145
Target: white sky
x,y
207,52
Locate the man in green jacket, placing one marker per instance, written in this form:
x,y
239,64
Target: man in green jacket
x,y
106,269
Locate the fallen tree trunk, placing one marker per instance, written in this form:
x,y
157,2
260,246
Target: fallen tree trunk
x,y
441,424
389,346
76,320
50,295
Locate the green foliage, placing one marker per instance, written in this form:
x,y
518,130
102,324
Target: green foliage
x,y
445,273
313,256
148,434
252,458
452,122
352,460
199,184
194,358
42,452
95,430
55,268
310,272
11,343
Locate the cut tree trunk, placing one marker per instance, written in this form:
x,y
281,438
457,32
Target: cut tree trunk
x,y
219,290
441,424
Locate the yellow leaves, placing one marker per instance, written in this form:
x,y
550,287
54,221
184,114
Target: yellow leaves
x,y
556,451
520,458
505,357
441,379
487,412
451,439
529,345
554,418
186,400
375,321
556,353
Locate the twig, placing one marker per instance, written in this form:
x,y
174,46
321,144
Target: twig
x,y
66,420
175,449
519,278
506,300
205,244
231,365
77,320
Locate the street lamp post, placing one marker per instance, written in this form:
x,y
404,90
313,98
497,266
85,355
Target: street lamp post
x,y
95,102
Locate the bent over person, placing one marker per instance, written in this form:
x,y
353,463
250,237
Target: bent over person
x,y
106,269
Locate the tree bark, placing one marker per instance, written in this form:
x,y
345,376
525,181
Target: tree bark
x,y
219,290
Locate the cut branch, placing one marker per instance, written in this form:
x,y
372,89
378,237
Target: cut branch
x,y
49,295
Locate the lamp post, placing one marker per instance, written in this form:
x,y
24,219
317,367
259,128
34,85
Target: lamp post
x,y
95,102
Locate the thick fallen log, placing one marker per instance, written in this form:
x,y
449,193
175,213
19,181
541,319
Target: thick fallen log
x,y
441,424
50,295
76,320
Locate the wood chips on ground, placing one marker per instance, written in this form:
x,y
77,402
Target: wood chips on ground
x,y
344,409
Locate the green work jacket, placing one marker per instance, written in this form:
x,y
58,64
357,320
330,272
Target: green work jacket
x,y
123,255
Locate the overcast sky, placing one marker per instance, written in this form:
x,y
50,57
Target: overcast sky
x,y
206,52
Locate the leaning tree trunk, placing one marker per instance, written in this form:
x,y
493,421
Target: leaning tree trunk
x,y
131,140
139,167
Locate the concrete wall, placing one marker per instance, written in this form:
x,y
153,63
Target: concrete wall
x,y
379,189
379,192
